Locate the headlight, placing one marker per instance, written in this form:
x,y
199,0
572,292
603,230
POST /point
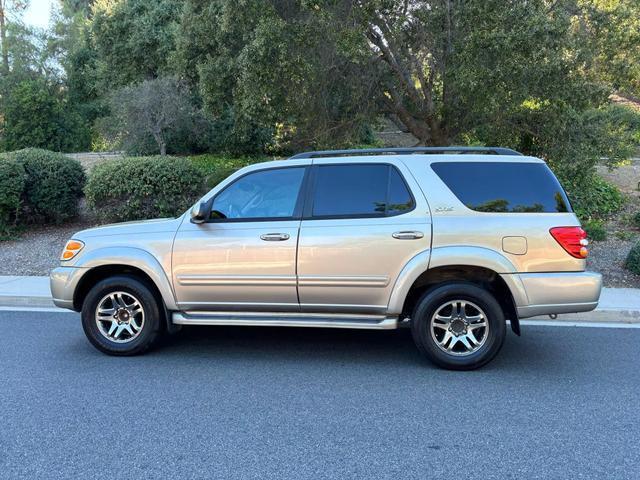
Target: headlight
x,y
71,249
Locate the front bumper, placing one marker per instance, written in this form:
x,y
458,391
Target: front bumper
x,y
561,292
63,281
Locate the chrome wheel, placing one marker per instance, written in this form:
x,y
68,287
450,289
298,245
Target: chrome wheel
x,y
459,327
120,317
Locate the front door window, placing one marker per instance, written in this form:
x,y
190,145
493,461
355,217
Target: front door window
x,y
268,194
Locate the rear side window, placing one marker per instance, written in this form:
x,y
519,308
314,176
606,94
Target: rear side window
x,y
504,187
359,190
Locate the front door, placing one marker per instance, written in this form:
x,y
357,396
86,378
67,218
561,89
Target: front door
x,y
361,226
244,257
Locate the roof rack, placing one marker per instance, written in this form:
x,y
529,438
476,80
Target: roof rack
x,y
407,151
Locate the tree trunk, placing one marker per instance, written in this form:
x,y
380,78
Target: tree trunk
x,y
162,144
3,38
413,105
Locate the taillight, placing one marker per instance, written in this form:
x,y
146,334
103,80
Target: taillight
x,y
572,239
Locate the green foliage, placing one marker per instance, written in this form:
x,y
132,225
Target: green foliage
x,y
635,219
38,186
572,141
155,116
214,168
74,7
133,40
143,187
595,230
633,259
606,134
624,235
12,181
593,197
34,114
275,75
239,135
53,185
286,76
614,38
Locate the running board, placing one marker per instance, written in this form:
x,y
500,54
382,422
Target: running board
x,y
369,322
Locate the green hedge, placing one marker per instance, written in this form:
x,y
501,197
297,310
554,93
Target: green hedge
x,y
143,187
633,259
53,185
39,186
595,230
594,198
12,181
215,168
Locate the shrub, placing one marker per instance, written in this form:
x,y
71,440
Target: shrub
x,y
633,259
624,235
215,168
37,113
635,220
12,180
53,185
594,198
595,230
143,187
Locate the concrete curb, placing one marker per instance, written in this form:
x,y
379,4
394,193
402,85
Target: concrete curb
x,y
25,291
597,316
617,305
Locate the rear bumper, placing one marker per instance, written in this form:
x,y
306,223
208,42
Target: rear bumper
x,y
63,281
562,292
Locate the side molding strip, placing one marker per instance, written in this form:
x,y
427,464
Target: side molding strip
x,y
366,322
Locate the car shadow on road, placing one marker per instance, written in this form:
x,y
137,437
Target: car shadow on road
x,y
336,346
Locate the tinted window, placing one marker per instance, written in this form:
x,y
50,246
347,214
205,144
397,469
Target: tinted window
x,y
504,187
400,199
264,194
359,190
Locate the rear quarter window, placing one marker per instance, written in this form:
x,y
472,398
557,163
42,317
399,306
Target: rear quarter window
x,y
504,187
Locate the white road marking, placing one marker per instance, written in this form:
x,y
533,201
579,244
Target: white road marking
x,y
569,323
35,309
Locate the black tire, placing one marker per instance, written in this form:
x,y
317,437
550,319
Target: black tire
x,y
151,328
434,299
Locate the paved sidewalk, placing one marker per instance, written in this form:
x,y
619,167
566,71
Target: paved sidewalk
x,y
16,291
620,305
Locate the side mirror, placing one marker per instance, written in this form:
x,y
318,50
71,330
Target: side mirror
x,y
201,212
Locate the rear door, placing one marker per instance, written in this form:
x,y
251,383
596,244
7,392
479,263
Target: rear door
x,y
363,221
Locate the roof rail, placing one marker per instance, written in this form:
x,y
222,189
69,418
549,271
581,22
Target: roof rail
x,y
407,151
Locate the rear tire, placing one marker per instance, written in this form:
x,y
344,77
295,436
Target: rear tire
x,y
458,326
121,316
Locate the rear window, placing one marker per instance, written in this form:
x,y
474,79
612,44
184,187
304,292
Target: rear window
x,y
504,187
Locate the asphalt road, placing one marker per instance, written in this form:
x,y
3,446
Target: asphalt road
x,y
241,403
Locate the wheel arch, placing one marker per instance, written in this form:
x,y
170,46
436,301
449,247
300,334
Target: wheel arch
x,y
101,263
481,266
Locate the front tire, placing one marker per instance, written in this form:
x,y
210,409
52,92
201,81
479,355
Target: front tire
x,y
121,316
458,326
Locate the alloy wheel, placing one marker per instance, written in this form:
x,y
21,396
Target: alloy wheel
x,y
459,327
120,317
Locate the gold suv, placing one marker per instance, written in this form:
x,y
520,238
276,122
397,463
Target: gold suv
x,y
451,241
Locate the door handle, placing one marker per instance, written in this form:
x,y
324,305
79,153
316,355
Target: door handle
x,y
274,237
408,235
